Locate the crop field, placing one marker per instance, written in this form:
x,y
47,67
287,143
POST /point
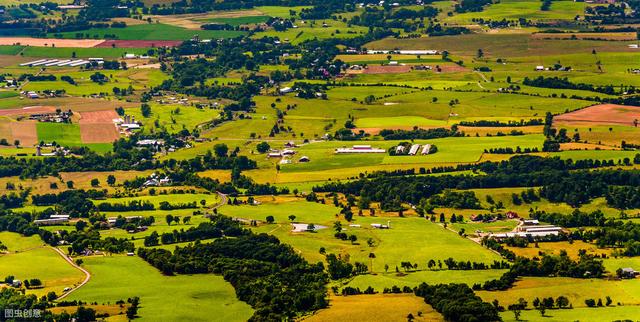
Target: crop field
x,y
194,298
358,308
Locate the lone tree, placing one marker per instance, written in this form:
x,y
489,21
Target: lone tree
x,y
270,219
263,147
169,219
111,180
292,217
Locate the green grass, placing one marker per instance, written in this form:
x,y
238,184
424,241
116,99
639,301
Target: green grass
x,y
239,20
411,279
211,199
162,298
60,52
62,133
616,313
10,50
7,94
151,32
626,292
530,10
400,121
29,258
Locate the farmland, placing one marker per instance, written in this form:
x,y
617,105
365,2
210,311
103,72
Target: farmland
x,y
321,160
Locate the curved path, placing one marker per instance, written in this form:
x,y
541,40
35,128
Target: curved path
x,y
87,276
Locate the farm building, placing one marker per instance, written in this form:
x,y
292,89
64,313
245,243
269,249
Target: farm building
x,y
275,154
425,149
414,149
286,90
62,117
149,142
304,158
382,226
51,221
539,68
360,149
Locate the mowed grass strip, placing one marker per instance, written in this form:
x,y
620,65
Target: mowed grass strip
x,y
202,297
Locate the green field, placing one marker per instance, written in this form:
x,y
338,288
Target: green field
x,y
239,21
530,10
151,32
193,297
60,52
29,258
61,133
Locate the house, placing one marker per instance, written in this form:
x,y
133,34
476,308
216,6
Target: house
x,y
304,158
290,144
425,149
399,149
32,95
286,90
130,56
274,154
539,68
288,152
530,222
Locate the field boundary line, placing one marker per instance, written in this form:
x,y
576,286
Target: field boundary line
x,y
87,276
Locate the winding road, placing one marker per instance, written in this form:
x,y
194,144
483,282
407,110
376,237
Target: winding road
x,y
87,276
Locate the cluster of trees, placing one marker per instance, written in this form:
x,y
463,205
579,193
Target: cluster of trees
x,y
267,274
457,302
623,197
485,123
455,199
339,267
471,5
565,83
509,150
418,133
133,205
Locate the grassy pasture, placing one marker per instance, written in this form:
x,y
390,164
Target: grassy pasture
x,y
28,258
411,279
193,297
554,248
615,313
625,292
530,10
173,117
151,32
238,21
312,29
410,239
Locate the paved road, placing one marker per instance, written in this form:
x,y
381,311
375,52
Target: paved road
x,y
87,276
